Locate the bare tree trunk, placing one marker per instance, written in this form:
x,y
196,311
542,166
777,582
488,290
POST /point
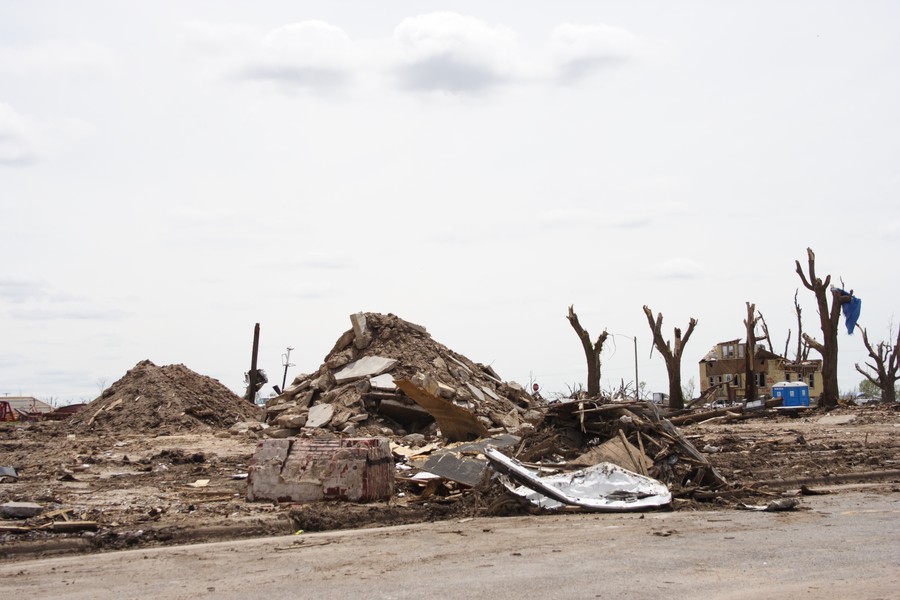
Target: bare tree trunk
x,y
672,358
591,353
766,335
750,391
829,319
886,362
802,346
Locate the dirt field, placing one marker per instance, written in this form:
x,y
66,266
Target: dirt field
x,y
152,490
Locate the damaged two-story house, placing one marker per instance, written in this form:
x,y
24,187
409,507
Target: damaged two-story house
x,y
725,368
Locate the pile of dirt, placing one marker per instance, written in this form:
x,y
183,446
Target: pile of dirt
x,y
354,391
164,399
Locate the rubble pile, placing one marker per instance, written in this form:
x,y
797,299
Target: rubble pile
x,y
387,376
156,399
632,435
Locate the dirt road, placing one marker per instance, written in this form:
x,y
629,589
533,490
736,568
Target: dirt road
x,y
838,546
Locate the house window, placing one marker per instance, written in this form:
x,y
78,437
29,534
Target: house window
x,y
812,380
761,380
741,350
737,380
787,376
712,380
728,377
719,379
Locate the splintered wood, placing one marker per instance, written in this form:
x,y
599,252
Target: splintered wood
x,y
632,435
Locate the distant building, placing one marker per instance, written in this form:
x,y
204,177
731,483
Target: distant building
x,y
724,367
26,404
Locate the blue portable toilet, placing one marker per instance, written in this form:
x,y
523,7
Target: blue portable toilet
x,y
793,394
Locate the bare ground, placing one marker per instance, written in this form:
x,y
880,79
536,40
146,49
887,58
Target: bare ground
x,y
150,490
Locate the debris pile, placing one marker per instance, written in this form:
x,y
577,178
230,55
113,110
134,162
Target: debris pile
x,y
632,435
387,376
162,399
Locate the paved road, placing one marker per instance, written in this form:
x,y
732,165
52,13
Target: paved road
x,y
839,546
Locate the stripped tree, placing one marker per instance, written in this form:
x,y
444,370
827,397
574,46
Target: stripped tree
x,y
591,353
750,322
670,355
829,319
884,364
765,329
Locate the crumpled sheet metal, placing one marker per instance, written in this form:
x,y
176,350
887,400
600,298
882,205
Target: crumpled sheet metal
x,y
604,487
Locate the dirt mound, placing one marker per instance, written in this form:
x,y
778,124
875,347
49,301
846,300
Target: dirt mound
x,y
163,399
354,390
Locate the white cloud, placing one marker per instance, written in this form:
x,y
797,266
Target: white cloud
x,y
578,51
891,230
436,52
212,39
20,290
569,218
25,140
311,54
17,137
679,268
68,314
55,58
450,52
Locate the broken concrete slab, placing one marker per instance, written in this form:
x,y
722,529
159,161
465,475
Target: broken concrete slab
x,y
465,463
319,416
476,391
384,382
462,469
367,366
404,413
351,469
457,424
20,510
836,419
361,336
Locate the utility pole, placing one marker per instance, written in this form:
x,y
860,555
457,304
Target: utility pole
x,y
286,361
636,380
253,375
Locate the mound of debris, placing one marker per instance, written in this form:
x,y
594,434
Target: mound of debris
x,y
164,399
387,376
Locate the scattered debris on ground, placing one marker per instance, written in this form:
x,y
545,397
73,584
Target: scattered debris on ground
x,y
396,428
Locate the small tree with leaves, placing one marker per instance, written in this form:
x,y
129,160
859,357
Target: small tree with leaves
x,y
882,369
591,353
672,356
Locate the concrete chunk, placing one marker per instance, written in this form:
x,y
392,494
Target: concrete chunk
x,y
367,366
351,469
319,415
20,510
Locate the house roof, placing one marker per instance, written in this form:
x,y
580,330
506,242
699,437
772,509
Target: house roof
x,y
26,404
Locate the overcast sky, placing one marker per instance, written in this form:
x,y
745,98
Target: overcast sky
x,y
173,172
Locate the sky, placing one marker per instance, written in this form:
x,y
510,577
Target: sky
x,y
173,172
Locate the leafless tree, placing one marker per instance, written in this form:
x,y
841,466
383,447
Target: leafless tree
x,y
591,353
670,355
765,329
884,364
829,319
750,391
